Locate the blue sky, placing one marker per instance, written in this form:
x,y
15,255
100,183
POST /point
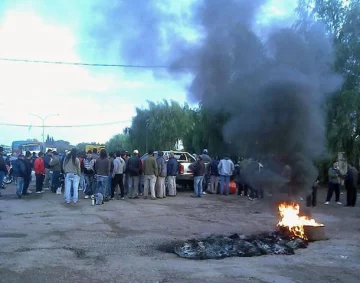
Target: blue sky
x,y
59,30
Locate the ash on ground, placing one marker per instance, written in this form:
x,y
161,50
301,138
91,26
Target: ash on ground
x,y
218,247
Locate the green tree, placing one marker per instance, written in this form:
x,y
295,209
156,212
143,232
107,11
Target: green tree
x,y
160,125
119,142
342,20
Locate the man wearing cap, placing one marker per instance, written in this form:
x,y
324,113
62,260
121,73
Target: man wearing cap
x,y
19,172
207,159
134,170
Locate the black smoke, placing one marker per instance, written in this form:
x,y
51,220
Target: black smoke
x,y
272,88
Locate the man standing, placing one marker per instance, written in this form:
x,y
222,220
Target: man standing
x,y
47,160
39,168
207,160
27,177
226,169
172,170
55,167
214,176
150,173
199,170
110,178
205,156
162,171
19,174
117,176
334,183
351,183
33,158
3,169
89,172
134,170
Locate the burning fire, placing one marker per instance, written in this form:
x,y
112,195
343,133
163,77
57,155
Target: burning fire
x,y
290,219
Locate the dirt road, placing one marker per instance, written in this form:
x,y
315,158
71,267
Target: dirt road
x,y
44,240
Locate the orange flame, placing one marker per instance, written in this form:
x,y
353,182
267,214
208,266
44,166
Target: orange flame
x,y
290,219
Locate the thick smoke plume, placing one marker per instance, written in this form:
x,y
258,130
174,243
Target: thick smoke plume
x,y
273,89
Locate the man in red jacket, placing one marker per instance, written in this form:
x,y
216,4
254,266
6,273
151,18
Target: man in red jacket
x,y
39,168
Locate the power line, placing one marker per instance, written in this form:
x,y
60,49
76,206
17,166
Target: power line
x,y
64,126
88,64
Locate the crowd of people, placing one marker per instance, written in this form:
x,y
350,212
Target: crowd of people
x,y
103,177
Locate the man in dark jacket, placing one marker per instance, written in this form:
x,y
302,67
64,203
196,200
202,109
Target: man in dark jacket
x,y
55,167
160,181
3,169
214,176
47,159
19,174
198,169
172,169
134,170
351,183
27,177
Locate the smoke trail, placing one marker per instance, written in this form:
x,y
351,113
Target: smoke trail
x,y
273,89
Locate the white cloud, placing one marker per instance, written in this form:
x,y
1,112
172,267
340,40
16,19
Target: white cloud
x,y
80,95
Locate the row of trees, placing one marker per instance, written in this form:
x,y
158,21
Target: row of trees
x,y
161,125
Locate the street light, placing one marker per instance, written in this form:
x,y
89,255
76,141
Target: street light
x,y
43,119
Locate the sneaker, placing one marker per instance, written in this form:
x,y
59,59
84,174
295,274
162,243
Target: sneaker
x,y
29,192
326,203
58,191
153,198
46,189
122,198
86,197
75,202
141,194
68,202
113,198
204,193
339,203
39,192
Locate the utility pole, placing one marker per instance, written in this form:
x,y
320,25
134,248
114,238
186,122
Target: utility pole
x,y
43,119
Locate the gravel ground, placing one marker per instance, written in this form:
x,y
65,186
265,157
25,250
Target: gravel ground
x,y
44,240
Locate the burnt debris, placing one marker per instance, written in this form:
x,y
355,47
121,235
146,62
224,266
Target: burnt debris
x,y
218,247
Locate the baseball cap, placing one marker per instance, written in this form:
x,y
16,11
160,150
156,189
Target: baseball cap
x,y
135,151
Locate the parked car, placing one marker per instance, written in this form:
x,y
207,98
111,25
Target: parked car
x,y
185,175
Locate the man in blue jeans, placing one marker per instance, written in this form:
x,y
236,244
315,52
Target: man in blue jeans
x,y
3,169
19,173
226,168
198,169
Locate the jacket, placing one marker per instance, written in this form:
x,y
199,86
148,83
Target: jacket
x,y
39,166
19,169
2,164
161,164
334,176
70,167
226,167
206,158
214,167
47,159
150,166
198,168
28,167
102,166
55,164
119,166
134,166
88,166
351,180
172,167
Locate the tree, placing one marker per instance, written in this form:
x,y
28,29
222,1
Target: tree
x,y
119,142
160,125
342,20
